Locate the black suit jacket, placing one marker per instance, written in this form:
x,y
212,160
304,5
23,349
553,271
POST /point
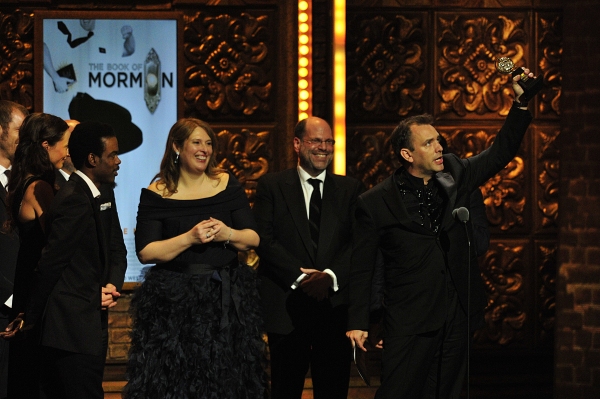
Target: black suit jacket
x,y
9,249
417,260
66,302
285,243
113,235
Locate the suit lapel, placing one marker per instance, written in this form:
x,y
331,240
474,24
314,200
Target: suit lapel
x,y
448,185
394,202
294,197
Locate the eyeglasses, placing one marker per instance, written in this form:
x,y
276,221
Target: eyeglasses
x,y
317,142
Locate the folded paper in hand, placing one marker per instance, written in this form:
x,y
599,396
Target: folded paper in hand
x,y
360,360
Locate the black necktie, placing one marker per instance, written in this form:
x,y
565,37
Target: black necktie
x,y
314,214
7,173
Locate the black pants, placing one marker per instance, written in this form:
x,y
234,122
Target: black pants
x,y
430,365
320,343
24,366
68,375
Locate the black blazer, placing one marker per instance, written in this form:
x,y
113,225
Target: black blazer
x,y
66,301
416,260
9,249
113,235
285,243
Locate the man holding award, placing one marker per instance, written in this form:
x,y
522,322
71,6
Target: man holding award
x,y
419,219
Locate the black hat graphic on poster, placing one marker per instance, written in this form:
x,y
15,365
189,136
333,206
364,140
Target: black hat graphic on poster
x,y
84,108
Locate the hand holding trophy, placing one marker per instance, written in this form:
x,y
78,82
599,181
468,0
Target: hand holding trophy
x,y
530,86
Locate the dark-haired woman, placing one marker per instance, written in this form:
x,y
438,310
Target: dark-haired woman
x,y
197,328
42,148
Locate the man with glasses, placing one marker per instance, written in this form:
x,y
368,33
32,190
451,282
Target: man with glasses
x,y
305,221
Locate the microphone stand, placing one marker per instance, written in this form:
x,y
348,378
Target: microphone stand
x,y
468,310
462,215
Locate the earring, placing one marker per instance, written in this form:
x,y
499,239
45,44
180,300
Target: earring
x,y
177,158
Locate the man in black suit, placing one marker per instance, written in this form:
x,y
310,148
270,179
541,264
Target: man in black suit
x,y
69,277
11,118
409,218
305,245
114,275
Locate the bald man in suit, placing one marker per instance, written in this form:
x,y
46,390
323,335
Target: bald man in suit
x,y
303,268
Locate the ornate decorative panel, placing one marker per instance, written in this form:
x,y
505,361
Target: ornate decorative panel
x,y
387,3
245,153
386,66
223,2
482,3
549,57
546,266
504,194
228,67
371,158
16,57
505,275
467,47
547,175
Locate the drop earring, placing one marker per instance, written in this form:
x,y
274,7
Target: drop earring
x,y
177,158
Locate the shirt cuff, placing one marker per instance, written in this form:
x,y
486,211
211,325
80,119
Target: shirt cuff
x,y
334,285
298,280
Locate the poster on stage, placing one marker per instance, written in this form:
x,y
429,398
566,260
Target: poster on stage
x,y
121,69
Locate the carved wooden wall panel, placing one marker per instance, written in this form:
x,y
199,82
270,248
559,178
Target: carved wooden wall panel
x,y
386,66
506,274
468,45
246,154
229,72
387,3
370,158
545,288
547,176
16,57
549,56
224,2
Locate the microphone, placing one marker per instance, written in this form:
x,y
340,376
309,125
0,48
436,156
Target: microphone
x,y
461,214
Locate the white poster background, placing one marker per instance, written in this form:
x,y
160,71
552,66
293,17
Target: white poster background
x,y
102,54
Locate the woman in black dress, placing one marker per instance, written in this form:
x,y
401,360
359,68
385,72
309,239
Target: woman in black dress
x,y
196,323
42,149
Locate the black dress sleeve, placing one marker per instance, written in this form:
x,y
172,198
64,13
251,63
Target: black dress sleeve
x,y
149,226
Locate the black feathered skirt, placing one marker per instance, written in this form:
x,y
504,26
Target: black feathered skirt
x,y
184,346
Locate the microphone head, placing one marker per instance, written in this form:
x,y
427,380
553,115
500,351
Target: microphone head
x,y
461,214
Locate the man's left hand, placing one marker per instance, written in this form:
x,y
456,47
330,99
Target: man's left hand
x,y
109,296
316,284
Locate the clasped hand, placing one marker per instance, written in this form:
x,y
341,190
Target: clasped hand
x,y
316,284
13,327
209,230
109,296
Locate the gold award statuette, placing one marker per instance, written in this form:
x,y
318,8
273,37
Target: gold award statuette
x,y
531,86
